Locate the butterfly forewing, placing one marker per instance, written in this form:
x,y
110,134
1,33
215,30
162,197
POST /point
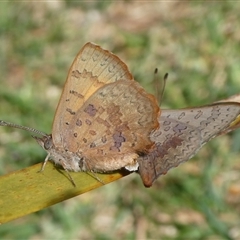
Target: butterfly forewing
x,y
92,68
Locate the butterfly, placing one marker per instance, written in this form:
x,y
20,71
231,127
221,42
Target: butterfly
x,y
105,121
182,133
104,118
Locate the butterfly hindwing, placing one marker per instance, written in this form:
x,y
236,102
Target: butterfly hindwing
x,y
182,133
113,126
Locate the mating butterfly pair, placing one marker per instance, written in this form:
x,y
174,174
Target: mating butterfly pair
x,y
106,121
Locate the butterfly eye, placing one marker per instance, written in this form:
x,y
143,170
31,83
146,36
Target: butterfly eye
x,y
48,143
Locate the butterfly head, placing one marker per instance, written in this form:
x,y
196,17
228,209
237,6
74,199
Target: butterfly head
x,y
45,142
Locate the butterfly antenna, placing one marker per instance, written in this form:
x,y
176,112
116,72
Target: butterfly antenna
x,y
159,89
163,87
29,129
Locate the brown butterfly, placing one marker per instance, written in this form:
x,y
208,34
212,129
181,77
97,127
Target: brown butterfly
x,y
104,118
106,121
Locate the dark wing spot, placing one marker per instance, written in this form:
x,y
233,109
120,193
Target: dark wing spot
x,y
76,74
79,123
179,127
92,145
118,139
163,149
104,139
88,122
76,94
90,110
70,111
92,132
199,114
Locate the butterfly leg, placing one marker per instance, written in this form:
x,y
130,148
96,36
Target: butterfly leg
x,y
69,176
44,163
93,175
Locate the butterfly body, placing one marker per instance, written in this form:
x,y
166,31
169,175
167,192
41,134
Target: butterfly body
x,y
102,135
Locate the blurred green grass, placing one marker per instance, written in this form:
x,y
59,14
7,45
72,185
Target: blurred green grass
x,y
197,43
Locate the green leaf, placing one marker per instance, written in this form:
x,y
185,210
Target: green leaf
x,y
28,190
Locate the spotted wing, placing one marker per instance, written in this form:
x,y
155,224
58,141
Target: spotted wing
x,y
182,133
92,68
113,126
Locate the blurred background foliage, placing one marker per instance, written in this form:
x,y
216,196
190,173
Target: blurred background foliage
x,y
197,43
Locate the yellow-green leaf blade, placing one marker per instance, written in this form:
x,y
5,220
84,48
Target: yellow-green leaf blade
x,y
28,190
